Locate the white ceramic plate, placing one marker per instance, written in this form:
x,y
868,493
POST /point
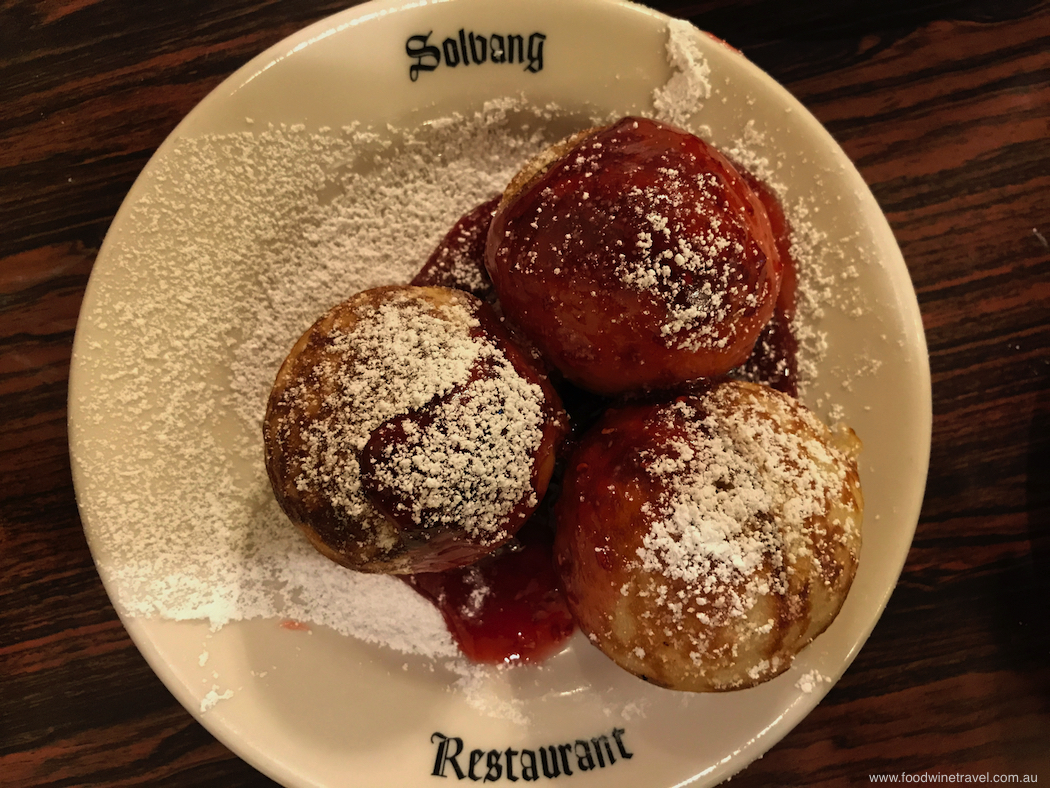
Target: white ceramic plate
x,y
317,707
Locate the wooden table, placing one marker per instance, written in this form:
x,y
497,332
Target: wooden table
x,y
945,109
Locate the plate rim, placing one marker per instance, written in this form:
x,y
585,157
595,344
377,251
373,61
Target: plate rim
x,y
137,627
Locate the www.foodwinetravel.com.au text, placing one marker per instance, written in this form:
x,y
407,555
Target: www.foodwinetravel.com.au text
x,y
930,777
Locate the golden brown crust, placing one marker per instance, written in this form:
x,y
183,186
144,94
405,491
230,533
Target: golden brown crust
x,y
539,164
704,541
635,257
390,362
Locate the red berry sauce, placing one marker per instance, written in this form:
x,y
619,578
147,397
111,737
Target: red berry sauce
x,y
459,260
774,361
507,607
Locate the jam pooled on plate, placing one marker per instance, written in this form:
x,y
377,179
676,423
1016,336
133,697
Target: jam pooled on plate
x,y
507,607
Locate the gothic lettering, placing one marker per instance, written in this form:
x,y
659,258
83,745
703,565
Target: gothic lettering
x,y
463,47
451,49
550,770
478,44
494,766
520,43
564,750
510,753
598,742
536,52
528,766
427,57
466,47
584,761
475,756
512,765
444,757
618,734
498,53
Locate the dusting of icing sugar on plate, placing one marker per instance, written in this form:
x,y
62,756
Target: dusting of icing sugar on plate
x,y
239,235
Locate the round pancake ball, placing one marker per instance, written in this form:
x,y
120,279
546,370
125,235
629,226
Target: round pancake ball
x,y
407,433
635,257
703,540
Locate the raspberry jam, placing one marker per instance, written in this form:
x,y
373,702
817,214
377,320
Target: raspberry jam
x,y
507,607
459,259
774,361
640,259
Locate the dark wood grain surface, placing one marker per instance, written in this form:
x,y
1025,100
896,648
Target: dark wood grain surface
x,y
945,109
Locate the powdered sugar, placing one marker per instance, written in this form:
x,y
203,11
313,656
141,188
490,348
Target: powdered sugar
x,y
472,463
810,249
213,697
749,486
240,241
649,216
810,681
384,355
689,86
392,360
245,239
694,315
